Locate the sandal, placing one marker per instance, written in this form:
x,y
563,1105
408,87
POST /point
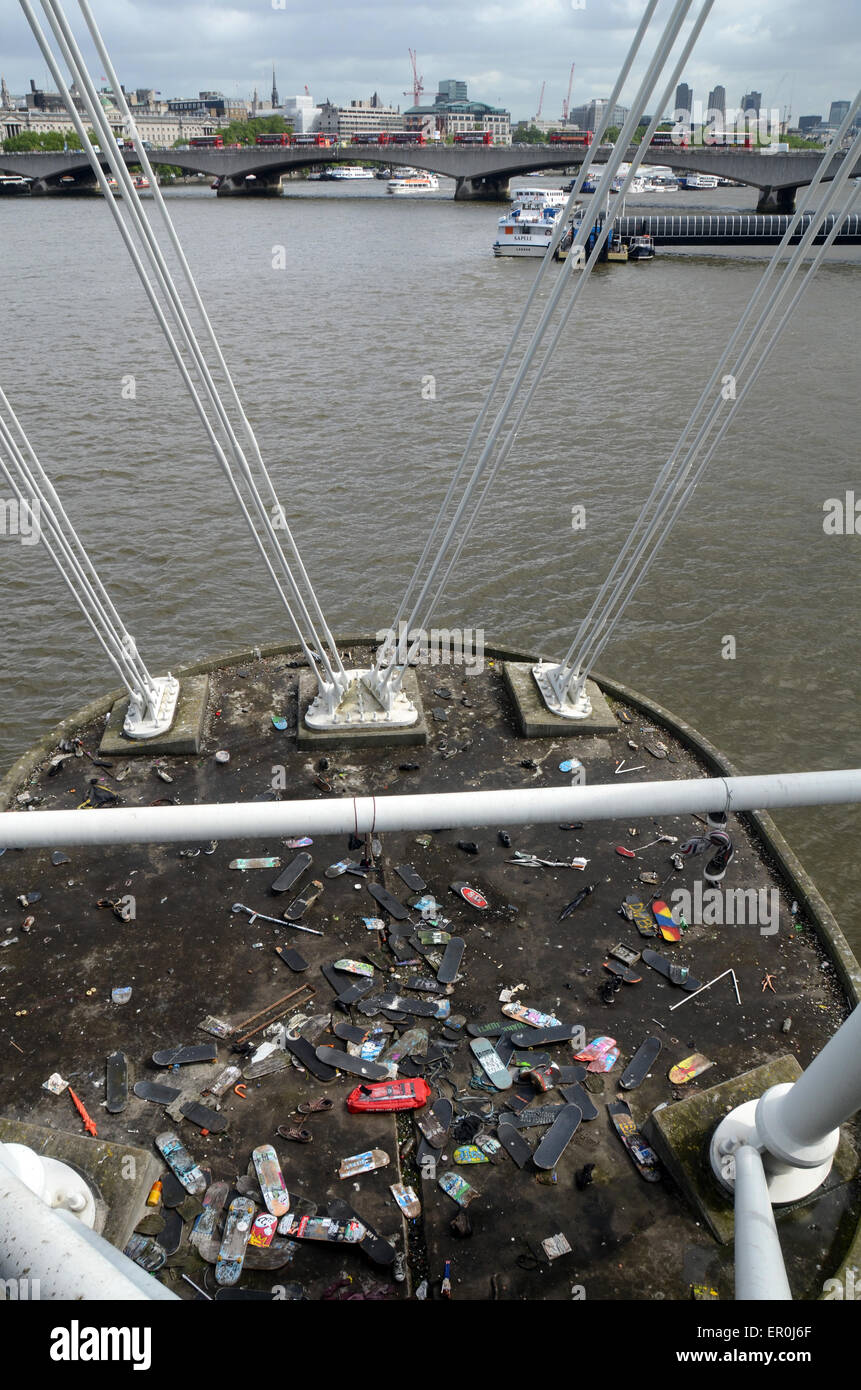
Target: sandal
x,y
312,1107
301,1136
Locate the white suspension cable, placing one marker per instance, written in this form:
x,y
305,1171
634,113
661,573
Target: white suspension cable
x,y
573,663
543,270
685,496
122,105
164,282
621,147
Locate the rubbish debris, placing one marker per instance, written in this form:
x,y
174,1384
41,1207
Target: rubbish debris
x,y
406,1200
55,1084
121,995
365,1162
457,1188
554,1246
89,1124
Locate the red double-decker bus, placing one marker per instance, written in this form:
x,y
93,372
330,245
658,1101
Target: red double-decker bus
x,y
403,137
272,140
379,138
206,142
474,137
312,139
571,137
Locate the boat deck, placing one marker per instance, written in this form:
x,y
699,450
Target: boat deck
x,y
185,956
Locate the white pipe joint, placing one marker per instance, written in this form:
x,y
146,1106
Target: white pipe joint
x,y
760,1274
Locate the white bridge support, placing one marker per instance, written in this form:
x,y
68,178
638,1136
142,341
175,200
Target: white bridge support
x,y
49,1253
164,825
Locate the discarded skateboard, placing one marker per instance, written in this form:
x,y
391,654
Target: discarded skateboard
x,y
388,902
321,1228
451,960
489,1061
354,967
354,1066
597,1048
272,863
533,1017
558,1136
514,1143
237,1230
145,1253
299,905
623,972
424,984
406,1200
536,1115
443,1113
182,1056
676,974
431,936
213,1204
469,1153
642,917
180,1162
689,1068
365,1162
470,895
409,1044
378,1250
576,1095
263,1230
664,919
207,1119
305,1053
644,1159
158,1094
294,871
389,1095
422,1007
116,1083
271,1180
537,1037
292,958
640,1064
434,1131
497,1029
457,1188
408,875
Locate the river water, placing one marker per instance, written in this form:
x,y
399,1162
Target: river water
x,y
377,294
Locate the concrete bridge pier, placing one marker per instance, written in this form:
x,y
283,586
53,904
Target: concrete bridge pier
x,y
777,199
40,188
490,190
243,186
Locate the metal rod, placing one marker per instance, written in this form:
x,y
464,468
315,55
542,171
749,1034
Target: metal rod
x,y
444,811
694,994
276,1004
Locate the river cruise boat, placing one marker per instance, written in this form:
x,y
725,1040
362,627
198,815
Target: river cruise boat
x,y
413,183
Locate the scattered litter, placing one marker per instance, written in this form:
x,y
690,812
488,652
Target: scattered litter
x,y
121,995
215,1026
58,857
406,1200
55,1084
554,1246
222,756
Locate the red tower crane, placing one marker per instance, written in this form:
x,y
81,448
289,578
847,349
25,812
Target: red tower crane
x,y
567,102
418,82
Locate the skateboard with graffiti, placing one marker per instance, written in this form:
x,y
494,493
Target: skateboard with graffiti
x,y
664,918
180,1162
406,1200
442,1111
214,1201
457,1188
263,1230
366,1162
532,1017
690,1067
237,1232
321,1228
491,1064
641,917
271,1180
378,1250
644,1159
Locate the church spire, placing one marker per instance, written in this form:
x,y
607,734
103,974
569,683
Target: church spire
x,y
275,101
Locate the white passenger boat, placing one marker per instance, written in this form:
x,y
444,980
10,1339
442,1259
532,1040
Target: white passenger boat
x,y
413,183
350,171
698,181
526,231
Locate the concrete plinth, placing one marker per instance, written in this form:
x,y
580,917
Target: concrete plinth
x,y
680,1135
780,200
182,738
121,1174
534,719
367,736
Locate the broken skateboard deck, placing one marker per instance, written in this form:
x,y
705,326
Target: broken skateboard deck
x,y
378,1250
686,1070
406,1200
347,966
676,974
291,958
271,1180
644,1159
557,1138
214,1200
491,1064
450,963
412,1043
182,1056
366,1162
443,1114
457,1188
263,1230
116,1083
638,1067
294,871
388,902
237,1231
180,1162
642,917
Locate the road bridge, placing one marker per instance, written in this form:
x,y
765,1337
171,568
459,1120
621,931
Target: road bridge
x,y
478,171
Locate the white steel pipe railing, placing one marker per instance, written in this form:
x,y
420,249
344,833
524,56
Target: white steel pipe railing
x,y
760,1274
799,1123
444,811
49,1252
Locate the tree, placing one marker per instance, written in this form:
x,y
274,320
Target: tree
x,y
245,132
525,134
41,140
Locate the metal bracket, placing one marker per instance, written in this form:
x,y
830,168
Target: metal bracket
x,y
565,697
152,713
365,702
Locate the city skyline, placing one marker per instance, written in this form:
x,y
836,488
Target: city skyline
x,y
504,59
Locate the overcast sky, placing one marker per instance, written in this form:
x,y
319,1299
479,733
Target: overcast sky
x,y
797,53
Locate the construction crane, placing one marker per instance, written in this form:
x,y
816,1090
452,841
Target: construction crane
x,y
540,102
418,82
307,90
567,102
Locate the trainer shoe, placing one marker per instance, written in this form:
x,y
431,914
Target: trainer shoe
x,y
717,866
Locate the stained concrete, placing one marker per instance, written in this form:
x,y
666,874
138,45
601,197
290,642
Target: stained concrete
x,y
183,737
384,736
535,720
